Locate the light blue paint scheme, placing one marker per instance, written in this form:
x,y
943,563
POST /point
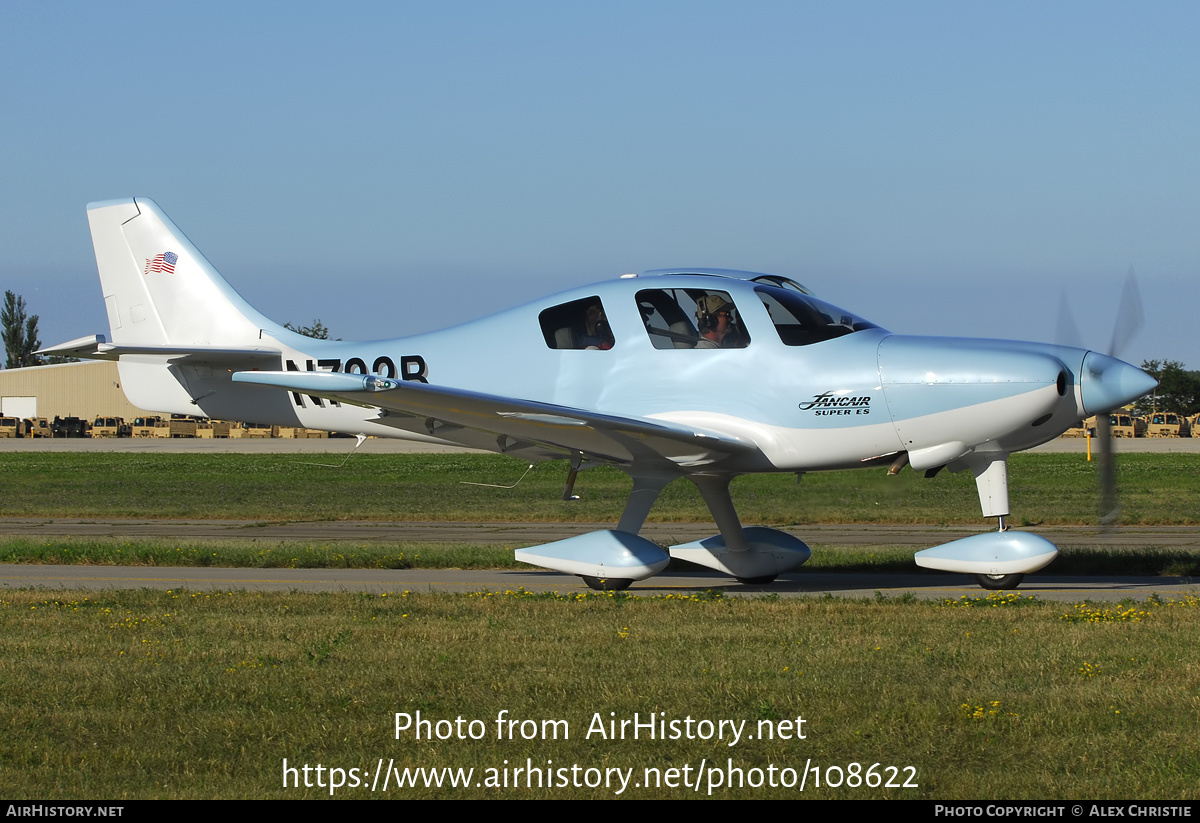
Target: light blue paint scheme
x,y
761,535
317,381
186,342
1109,381
908,400
773,552
1009,552
492,354
603,554
927,375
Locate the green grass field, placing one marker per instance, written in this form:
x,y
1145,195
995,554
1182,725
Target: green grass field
x,y
144,694
193,695
1044,488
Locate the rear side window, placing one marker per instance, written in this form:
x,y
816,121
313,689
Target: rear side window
x,y
580,324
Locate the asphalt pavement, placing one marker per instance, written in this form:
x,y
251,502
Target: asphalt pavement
x,y
931,585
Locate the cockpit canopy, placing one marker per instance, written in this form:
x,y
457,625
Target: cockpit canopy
x,y
698,309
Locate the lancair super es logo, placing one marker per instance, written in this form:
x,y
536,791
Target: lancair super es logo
x,y
162,263
831,403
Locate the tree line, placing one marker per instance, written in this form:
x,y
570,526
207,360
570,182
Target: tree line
x,y
1178,389
20,333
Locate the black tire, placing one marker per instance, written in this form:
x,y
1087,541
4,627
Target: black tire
x,y
999,582
757,581
606,584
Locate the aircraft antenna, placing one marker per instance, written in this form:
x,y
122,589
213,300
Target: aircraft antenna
x,y
497,485
358,438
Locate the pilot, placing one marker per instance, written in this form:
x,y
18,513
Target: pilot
x,y
717,323
599,335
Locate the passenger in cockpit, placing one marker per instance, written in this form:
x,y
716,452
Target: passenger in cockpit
x,y
599,335
717,324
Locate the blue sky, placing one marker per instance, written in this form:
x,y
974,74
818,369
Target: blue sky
x,y
939,168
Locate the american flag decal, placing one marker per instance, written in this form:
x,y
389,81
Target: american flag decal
x,y
164,263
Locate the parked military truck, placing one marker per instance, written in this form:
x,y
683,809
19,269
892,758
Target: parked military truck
x,y
256,430
1166,424
226,428
111,427
182,426
71,427
1123,424
151,427
1079,429
38,427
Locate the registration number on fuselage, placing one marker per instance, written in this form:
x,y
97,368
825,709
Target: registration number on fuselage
x,y
412,367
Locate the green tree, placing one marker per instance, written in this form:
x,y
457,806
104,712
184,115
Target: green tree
x,y
316,330
19,331
1178,389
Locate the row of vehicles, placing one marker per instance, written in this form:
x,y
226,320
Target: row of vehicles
x,y
176,425
1121,423
1125,424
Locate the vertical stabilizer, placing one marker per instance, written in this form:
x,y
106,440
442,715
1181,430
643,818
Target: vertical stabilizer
x,y
158,289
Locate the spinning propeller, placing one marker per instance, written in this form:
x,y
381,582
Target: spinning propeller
x,y
1128,323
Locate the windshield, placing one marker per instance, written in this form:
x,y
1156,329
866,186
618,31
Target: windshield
x,y
801,319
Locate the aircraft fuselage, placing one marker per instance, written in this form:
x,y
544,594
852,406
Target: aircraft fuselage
x,y
840,402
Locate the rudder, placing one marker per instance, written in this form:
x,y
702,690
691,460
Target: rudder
x,y
159,290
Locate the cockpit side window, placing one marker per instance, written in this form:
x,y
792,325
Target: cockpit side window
x,y
580,324
801,319
691,319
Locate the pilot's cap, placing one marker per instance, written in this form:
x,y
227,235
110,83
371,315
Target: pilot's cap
x,y
710,304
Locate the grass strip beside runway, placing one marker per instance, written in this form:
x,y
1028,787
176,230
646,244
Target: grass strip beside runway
x,y
187,695
1157,489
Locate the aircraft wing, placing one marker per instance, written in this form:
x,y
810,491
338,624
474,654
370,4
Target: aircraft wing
x,y
96,347
510,425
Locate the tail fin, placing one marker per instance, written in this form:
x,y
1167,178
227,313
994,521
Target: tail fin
x,y
158,289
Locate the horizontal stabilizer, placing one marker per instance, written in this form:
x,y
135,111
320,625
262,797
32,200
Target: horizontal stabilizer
x,y
96,347
317,382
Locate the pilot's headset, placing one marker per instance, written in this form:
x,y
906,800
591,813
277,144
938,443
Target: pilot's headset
x,y
707,308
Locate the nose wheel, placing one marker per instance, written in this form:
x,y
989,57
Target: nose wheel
x,y
999,582
606,584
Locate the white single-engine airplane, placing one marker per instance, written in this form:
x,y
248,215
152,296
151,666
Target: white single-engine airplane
x,y
703,374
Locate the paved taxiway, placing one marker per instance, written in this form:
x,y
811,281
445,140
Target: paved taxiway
x,y
1046,586
925,586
